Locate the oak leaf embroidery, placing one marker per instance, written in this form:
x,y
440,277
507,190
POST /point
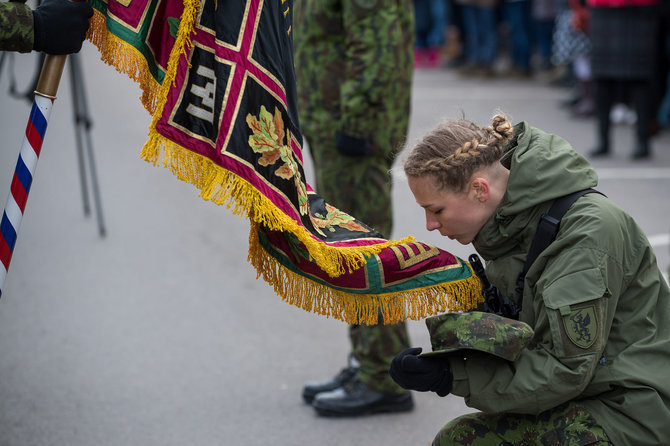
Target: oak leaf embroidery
x,y
268,140
336,217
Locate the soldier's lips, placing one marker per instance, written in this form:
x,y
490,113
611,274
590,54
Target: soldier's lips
x,y
446,235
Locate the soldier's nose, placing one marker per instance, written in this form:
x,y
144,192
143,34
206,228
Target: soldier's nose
x,y
432,224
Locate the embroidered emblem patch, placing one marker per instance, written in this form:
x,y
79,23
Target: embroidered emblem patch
x,y
581,326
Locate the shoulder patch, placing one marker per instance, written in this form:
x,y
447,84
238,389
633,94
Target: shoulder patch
x,y
581,326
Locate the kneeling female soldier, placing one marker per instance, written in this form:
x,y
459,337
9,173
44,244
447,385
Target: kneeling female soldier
x,y
595,369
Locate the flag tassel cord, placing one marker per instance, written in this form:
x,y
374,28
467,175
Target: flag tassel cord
x,y
369,309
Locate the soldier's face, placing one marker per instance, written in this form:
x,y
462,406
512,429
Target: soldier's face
x,y
458,216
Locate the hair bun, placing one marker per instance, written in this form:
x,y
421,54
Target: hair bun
x,y
500,127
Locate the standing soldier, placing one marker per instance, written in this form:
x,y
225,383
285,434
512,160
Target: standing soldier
x,y
354,65
55,27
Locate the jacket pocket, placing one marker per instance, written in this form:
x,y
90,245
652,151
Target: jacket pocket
x,y
574,305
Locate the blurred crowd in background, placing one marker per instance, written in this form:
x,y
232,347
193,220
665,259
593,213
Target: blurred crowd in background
x,y
552,41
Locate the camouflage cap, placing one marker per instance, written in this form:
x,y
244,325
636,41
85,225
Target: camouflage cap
x,y
484,332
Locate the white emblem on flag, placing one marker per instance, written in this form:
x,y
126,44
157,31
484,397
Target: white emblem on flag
x,y
206,110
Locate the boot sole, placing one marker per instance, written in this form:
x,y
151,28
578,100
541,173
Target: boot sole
x,y
403,406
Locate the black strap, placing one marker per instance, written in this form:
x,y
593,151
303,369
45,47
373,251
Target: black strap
x,y
546,232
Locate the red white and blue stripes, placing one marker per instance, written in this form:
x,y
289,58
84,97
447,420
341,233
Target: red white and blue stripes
x,y
23,178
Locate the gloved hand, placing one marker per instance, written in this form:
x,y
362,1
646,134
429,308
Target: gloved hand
x,y
423,374
60,26
350,145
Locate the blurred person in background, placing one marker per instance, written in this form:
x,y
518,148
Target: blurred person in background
x,y
663,114
432,18
480,26
624,61
581,63
571,49
543,15
517,14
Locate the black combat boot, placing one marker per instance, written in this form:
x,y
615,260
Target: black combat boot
x,y
641,150
313,388
599,150
603,146
356,398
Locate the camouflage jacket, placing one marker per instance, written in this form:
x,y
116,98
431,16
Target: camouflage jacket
x,y
16,27
354,66
595,299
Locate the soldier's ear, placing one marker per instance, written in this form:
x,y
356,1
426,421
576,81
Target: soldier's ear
x,y
481,189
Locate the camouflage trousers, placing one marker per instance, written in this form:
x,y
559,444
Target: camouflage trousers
x,y
374,346
566,425
361,186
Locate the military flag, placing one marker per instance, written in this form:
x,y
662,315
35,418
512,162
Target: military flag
x,y
218,77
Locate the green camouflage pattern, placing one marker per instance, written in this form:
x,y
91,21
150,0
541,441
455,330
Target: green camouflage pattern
x,y
476,330
354,66
16,27
567,425
374,346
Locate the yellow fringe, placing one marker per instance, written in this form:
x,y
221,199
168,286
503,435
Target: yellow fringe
x,y
125,58
352,308
223,187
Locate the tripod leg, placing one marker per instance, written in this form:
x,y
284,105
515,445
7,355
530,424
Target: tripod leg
x,y
84,118
94,184
76,108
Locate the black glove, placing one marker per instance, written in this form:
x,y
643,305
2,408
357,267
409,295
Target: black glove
x,y
61,25
351,145
422,374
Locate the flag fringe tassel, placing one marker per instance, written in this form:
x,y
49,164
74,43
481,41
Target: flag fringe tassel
x,y
366,309
125,59
226,188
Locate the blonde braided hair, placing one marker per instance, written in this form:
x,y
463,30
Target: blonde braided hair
x,y
456,149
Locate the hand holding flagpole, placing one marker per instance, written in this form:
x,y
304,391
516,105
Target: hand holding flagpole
x,y
45,94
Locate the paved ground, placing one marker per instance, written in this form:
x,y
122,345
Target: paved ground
x,y
160,334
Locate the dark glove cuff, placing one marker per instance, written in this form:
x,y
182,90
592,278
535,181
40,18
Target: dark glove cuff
x,y
351,145
445,385
38,31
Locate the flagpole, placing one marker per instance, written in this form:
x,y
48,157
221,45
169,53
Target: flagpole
x,y
45,94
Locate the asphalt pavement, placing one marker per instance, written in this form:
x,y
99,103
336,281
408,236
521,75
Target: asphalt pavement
x,y
159,333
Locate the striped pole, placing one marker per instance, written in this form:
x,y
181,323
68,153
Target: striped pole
x,y
45,94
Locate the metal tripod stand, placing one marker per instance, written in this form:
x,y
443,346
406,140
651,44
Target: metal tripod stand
x,y
82,123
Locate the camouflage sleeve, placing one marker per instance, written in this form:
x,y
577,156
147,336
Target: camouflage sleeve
x,y
16,27
376,49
